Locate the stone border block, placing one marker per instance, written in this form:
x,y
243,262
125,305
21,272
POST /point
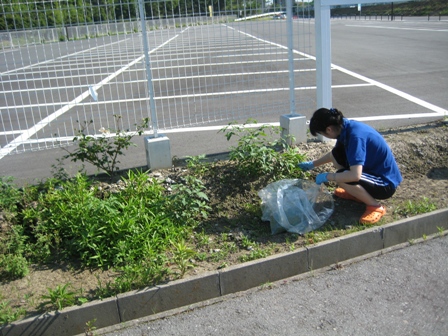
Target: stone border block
x,y
323,254
176,294
415,227
360,243
69,321
255,273
437,219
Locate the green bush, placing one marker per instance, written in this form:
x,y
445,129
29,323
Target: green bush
x,y
260,151
104,151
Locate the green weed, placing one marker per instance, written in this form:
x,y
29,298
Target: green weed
x,y
8,314
60,297
182,254
411,208
90,327
254,254
10,195
196,164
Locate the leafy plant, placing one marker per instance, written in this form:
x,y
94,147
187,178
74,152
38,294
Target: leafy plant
x,y
8,314
182,256
260,151
189,200
103,151
13,264
10,194
196,164
90,327
60,297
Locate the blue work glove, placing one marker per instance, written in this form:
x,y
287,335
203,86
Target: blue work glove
x,y
322,178
305,166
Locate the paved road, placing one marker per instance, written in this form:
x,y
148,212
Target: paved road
x,y
403,292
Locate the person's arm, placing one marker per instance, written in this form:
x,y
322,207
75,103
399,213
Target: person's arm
x,y
352,175
323,160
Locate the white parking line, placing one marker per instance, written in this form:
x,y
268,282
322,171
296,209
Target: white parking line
x,y
400,28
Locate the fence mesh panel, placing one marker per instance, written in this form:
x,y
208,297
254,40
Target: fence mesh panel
x,y
71,62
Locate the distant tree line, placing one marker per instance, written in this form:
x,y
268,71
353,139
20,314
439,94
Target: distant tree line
x,y
34,14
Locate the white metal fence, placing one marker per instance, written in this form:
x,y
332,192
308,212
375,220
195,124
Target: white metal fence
x,y
66,64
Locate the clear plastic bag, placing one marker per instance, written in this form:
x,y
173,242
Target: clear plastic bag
x,y
296,206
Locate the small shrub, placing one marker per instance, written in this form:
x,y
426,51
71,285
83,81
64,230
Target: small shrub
x,y
196,165
13,266
103,152
10,195
260,151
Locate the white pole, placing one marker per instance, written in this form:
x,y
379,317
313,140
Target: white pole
x,y
152,105
292,102
323,54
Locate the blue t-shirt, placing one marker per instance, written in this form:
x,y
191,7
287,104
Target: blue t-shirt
x,y
366,147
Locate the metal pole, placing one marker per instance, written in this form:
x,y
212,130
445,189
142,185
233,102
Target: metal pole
x,y
323,57
292,102
152,105
323,54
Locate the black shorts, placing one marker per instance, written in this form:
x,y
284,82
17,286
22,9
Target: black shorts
x,y
374,185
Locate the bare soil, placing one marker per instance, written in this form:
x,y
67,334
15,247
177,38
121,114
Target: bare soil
x,y
421,152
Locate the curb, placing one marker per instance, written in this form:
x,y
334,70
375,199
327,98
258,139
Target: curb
x,y
212,285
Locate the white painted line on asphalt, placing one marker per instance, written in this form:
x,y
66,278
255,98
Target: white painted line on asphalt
x,y
142,80
400,28
209,94
57,58
440,111
219,127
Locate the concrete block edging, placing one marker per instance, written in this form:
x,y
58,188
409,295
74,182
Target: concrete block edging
x,y
184,292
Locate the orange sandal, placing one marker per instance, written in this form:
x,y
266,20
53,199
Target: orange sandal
x,y
372,214
341,193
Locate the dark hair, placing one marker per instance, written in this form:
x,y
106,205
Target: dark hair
x,y
323,118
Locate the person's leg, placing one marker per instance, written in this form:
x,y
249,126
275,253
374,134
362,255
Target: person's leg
x,y
357,191
368,190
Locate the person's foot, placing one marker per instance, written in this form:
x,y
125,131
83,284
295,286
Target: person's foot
x,y
341,193
372,214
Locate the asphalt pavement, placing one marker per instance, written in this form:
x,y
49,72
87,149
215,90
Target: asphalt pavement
x,y
403,291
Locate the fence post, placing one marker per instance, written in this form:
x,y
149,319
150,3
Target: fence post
x,y
293,124
158,149
292,107
323,56
148,68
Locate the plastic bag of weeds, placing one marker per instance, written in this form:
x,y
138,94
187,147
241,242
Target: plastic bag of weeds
x,y
296,206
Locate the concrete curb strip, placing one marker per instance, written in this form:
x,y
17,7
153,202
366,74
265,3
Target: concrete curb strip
x,y
136,304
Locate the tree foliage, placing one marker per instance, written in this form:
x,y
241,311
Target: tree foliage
x,y
27,14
